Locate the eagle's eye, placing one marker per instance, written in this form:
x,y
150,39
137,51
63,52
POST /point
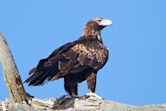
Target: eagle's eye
x,y
98,21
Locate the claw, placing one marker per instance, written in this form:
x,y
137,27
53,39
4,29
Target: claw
x,y
93,95
75,96
70,96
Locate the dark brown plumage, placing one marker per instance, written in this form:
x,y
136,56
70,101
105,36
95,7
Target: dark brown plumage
x,y
75,61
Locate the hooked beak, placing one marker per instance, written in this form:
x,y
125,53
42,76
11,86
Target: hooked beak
x,y
105,22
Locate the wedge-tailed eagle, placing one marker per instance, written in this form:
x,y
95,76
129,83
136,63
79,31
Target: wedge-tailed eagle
x,y
75,61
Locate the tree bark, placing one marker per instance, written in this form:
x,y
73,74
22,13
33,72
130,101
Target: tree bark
x,y
11,76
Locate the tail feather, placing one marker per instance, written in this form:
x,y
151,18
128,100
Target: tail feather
x,y
32,79
39,78
32,71
46,69
44,76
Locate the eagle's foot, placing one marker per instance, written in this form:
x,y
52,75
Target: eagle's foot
x,y
91,94
70,96
75,96
66,97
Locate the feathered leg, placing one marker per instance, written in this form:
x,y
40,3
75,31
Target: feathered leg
x,y
70,87
91,80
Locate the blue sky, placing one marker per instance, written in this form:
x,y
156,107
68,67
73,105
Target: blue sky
x,y
135,72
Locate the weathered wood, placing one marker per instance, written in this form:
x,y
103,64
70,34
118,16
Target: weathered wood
x,y
83,103
11,76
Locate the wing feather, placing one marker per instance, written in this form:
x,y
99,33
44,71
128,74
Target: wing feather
x,y
74,57
93,55
47,68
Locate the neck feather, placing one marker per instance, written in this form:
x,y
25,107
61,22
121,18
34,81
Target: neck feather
x,y
91,34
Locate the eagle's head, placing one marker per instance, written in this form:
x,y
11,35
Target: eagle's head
x,y
94,26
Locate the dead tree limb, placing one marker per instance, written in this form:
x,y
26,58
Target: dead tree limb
x,y
12,78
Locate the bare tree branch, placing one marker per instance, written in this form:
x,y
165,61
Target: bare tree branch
x,y
12,78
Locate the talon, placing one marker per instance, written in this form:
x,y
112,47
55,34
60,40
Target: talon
x,y
75,96
93,95
66,96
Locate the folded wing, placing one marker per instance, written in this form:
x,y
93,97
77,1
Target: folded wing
x,y
71,58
